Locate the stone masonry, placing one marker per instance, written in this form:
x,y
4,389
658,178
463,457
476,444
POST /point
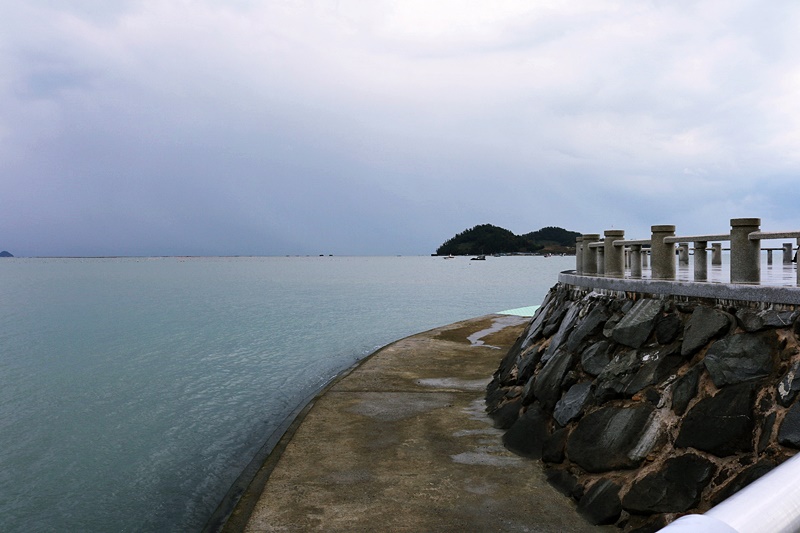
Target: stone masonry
x,y
644,408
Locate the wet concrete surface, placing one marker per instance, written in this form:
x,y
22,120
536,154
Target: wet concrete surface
x,y
402,443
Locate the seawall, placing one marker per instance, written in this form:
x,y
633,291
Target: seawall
x,y
644,407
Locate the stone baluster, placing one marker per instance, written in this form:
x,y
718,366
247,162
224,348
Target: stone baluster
x,y
787,253
636,260
601,261
700,261
745,253
716,253
645,255
683,253
614,255
579,255
663,253
769,257
590,254
798,264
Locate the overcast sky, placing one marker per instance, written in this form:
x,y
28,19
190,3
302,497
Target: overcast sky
x,y
172,127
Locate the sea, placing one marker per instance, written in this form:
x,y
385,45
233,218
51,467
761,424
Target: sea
x,y
135,391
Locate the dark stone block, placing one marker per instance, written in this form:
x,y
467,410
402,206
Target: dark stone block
x,y
595,358
571,405
657,364
739,358
789,434
560,307
570,318
553,450
591,324
617,375
789,386
528,434
528,397
563,482
494,395
505,416
613,438
527,364
685,389
601,505
673,489
668,327
536,326
721,425
652,396
704,324
742,479
636,326
547,386
752,320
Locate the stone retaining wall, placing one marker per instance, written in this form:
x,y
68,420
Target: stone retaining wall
x,y
642,407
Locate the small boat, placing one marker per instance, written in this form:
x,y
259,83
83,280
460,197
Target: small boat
x,y
449,256
479,258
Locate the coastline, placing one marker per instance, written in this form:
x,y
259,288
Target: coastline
x,y
372,377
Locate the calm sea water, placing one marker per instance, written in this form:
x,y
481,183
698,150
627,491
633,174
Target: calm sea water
x,y
134,391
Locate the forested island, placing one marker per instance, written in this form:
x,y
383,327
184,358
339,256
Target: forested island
x,y
5,254
488,239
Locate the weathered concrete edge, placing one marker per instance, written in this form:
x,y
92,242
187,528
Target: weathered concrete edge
x,y
719,291
234,511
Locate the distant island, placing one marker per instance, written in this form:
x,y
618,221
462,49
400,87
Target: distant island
x,y
5,254
488,239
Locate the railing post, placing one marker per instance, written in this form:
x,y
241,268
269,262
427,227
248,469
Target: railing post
x,y
745,253
798,264
769,257
787,253
590,254
716,253
645,255
636,260
614,255
683,253
700,261
601,261
579,255
663,253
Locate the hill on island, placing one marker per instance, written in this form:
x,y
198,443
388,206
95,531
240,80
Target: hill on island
x,y
5,254
489,239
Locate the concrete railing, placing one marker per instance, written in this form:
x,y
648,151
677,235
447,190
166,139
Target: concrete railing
x,y
614,256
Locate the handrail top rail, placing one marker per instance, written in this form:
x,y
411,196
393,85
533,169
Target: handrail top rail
x,y
699,238
759,235
631,242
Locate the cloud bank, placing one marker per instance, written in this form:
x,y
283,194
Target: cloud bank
x,y
384,127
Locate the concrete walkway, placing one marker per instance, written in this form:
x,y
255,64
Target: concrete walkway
x,y
402,443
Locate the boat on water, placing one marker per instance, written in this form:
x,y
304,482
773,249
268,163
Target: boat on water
x,y
479,258
449,256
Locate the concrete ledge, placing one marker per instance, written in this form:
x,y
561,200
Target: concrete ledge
x,y
719,291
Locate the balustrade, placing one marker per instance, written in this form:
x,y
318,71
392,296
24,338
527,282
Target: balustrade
x,y
613,256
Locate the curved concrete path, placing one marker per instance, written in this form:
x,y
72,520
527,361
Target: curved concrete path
x,y
402,443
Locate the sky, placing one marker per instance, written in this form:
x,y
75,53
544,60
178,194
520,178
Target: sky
x,y
383,127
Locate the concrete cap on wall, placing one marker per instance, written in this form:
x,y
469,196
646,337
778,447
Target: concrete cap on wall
x,y
614,232
663,228
591,237
745,222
